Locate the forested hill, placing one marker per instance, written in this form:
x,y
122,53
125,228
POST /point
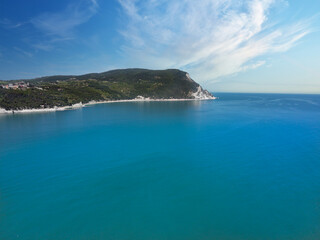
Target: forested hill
x,y
120,84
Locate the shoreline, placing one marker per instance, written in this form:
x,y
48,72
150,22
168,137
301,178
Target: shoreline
x,y
81,105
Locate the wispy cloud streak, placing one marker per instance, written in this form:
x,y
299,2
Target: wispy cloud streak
x,y
61,25
209,38
6,23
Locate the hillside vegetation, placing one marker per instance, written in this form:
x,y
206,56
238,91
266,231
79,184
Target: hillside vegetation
x,y
59,91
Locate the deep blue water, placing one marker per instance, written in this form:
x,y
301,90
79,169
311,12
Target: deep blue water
x,y
246,166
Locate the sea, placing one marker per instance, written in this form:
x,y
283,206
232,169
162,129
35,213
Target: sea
x,y
244,166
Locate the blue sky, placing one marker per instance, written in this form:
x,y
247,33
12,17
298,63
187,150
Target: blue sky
x,y
226,45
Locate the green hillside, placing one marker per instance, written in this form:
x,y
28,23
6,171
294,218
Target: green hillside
x,y
112,85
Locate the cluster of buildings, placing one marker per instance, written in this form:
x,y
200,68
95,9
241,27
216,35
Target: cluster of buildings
x,y
18,85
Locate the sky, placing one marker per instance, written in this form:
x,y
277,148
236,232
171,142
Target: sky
x,y
225,45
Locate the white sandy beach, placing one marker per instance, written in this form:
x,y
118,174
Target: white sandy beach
x,y
80,105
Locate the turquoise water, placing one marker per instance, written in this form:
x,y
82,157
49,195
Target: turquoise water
x,y
246,166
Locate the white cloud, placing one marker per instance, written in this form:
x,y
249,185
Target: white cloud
x,y
62,24
209,38
6,23
26,53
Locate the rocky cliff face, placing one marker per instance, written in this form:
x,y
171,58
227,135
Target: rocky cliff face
x,y
200,93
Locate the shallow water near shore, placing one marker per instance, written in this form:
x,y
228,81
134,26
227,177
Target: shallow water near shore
x,y
244,166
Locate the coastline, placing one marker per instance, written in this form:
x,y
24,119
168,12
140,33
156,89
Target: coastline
x,y
81,105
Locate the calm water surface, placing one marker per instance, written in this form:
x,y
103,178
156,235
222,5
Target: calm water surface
x,y
246,166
